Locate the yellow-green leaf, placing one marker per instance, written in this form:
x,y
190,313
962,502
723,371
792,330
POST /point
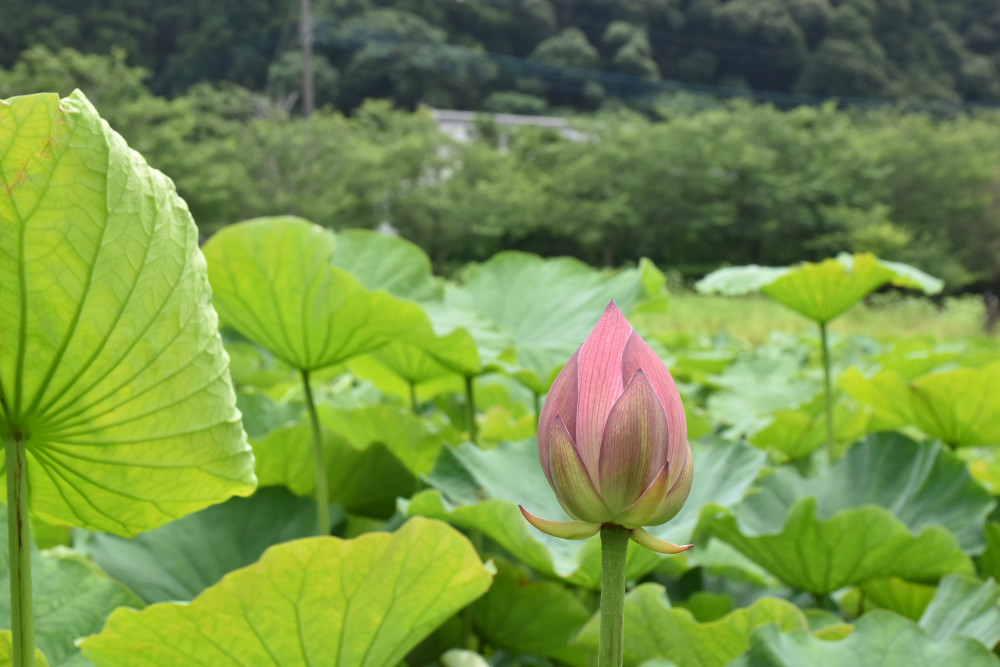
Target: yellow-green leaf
x,y
274,282
111,365
820,290
7,652
319,602
654,630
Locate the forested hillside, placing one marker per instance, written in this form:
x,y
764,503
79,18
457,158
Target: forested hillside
x,y
533,55
691,189
209,93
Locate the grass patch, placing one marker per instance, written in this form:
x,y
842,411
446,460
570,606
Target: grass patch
x,y
754,318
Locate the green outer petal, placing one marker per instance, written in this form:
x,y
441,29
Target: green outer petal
x,y
560,402
570,480
642,510
567,530
636,425
640,536
110,358
677,495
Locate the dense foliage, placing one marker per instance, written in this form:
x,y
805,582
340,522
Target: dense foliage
x,y
691,188
393,413
527,55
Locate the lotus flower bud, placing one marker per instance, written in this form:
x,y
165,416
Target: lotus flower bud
x,y
612,438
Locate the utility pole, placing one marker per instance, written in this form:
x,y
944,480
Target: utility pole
x,y
306,38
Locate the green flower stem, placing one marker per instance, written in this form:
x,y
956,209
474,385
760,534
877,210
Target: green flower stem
x,y
614,546
468,638
322,494
413,397
19,543
470,410
828,386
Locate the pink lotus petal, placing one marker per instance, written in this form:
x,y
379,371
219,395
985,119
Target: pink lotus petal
x,y
638,355
600,382
560,402
636,428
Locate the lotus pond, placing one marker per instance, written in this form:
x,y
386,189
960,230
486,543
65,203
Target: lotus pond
x,y
299,447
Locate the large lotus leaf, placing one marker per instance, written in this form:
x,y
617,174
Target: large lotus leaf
x,y
387,262
989,561
411,439
422,358
723,472
913,357
480,489
956,405
853,547
365,479
181,559
262,414
357,416
547,306
498,425
408,365
455,314
472,489
7,652
826,289
886,393
984,465
408,362
906,598
320,601
705,606
275,283
656,295
531,617
766,380
879,512
823,290
71,598
655,630
959,406
111,365
964,607
794,434
740,280
251,365
879,639
463,342
732,573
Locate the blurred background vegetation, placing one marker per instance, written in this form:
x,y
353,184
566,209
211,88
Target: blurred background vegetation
x,y
714,131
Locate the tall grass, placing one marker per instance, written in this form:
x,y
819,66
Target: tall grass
x,y
754,318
